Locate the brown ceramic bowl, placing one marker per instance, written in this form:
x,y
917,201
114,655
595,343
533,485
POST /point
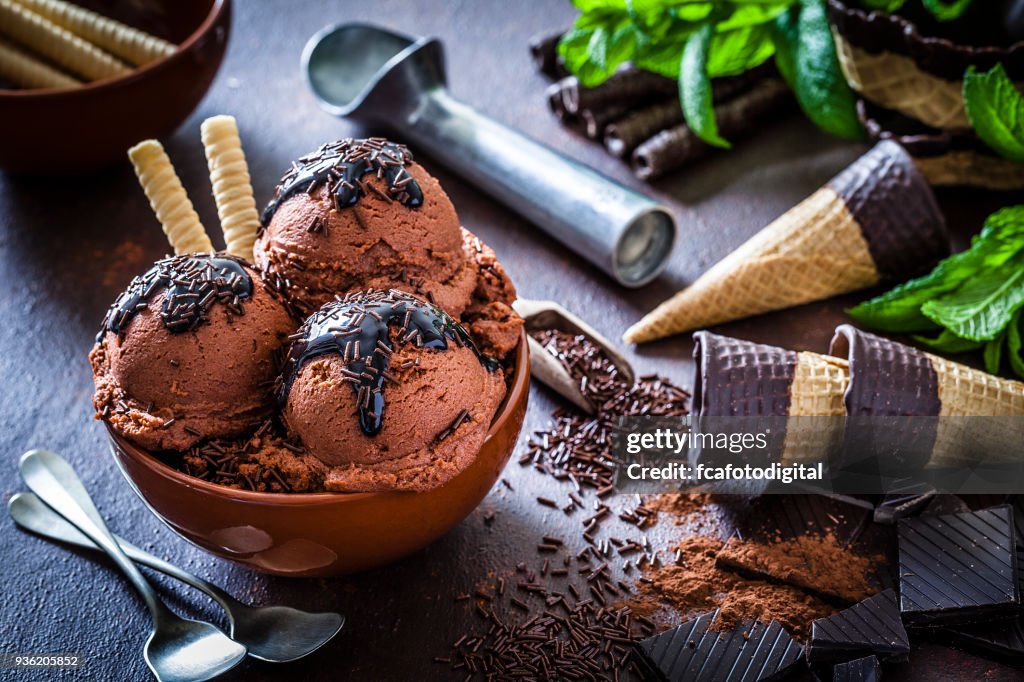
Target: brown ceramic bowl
x,y
323,534
76,129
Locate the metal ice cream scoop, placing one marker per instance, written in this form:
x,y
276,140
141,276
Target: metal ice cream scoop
x,y
378,77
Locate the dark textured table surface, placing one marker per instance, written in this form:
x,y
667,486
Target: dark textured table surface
x,y
68,245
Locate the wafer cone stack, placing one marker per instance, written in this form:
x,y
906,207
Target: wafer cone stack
x,y
737,378
875,221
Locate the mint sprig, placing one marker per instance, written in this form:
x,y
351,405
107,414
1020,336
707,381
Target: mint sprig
x,y
996,110
974,299
942,10
695,41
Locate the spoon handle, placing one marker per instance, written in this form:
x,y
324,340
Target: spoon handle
x,y
56,483
29,512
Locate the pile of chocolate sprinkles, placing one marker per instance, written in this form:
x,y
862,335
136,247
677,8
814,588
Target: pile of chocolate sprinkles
x,y
565,635
577,447
217,461
340,166
192,285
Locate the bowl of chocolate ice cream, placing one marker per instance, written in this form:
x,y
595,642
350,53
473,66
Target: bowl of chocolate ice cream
x,y
323,533
337,402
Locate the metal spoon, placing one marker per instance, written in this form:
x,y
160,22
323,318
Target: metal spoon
x,y
177,650
381,78
278,634
549,370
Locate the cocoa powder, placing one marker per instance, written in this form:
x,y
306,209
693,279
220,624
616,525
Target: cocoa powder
x,y
695,585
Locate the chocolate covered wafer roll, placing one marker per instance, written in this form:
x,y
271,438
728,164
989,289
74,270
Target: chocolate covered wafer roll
x,y
625,86
890,379
737,378
678,146
623,136
544,50
877,221
594,121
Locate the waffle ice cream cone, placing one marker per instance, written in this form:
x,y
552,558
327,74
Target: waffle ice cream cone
x,y
875,221
894,81
968,168
737,378
889,379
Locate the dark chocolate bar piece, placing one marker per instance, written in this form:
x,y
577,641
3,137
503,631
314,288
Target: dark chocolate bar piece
x,y
866,669
694,652
785,517
903,502
1005,638
958,568
945,504
871,627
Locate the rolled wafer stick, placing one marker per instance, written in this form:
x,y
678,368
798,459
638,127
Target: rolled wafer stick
x,y
232,187
544,50
675,147
876,221
890,379
556,103
737,378
594,121
168,198
628,85
129,43
21,68
57,44
622,136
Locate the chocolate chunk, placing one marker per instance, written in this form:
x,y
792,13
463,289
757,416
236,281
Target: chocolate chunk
x,y
958,568
785,517
871,627
693,652
945,504
1005,638
866,669
903,502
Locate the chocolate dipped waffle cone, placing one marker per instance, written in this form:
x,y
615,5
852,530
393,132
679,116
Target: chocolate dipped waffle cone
x,y
876,221
737,378
889,379
895,82
915,68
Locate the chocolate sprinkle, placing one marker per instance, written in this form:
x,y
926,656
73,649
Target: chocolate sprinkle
x,y
192,284
340,166
358,328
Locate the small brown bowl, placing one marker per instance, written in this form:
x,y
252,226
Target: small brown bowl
x,y
77,129
323,534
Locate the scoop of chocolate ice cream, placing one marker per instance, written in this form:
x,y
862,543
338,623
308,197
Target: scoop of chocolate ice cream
x,y
389,392
189,352
361,214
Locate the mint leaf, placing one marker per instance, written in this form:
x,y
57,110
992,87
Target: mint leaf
x,y
883,5
948,342
982,307
807,59
996,110
899,310
737,50
695,86
1014,333
946,11
994,354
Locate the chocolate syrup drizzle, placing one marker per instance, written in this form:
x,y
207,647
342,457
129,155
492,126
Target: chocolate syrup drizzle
x,y
358,328
341,166
193,284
